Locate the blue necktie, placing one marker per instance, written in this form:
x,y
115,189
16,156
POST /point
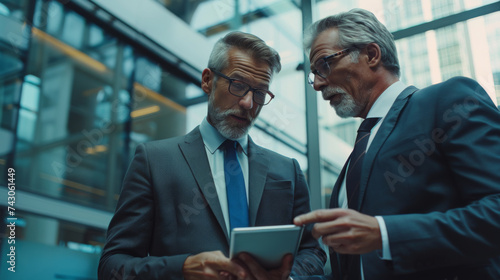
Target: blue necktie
x,y
235,187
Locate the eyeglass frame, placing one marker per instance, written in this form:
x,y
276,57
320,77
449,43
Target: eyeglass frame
x,y
315,71
231,80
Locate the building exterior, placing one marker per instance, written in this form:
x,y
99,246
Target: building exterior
x,y
83,82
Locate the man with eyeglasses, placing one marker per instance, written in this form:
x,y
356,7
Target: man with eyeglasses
x,y
182,197
419,197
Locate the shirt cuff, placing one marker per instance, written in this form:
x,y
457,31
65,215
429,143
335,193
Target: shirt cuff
x,y
386,250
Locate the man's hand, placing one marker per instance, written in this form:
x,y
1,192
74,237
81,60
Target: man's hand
x,y
344,230
257,272
208,265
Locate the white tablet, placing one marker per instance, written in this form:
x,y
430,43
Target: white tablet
x,y
267,244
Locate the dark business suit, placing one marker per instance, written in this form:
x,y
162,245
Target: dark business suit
x,y
433,173
169,209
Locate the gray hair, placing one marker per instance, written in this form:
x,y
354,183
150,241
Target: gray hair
x,y
358,28
255,46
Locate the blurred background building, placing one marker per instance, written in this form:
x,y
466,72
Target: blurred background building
x,y
83,82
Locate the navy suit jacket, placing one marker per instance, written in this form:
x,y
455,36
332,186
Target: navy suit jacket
x,y
433,173
169,209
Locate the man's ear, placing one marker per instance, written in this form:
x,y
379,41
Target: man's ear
x,y
206,81
374,55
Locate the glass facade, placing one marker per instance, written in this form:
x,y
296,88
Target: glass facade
x,y
81,86
85,99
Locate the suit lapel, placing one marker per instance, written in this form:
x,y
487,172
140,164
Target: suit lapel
x,y
383,133
257,173
334,199
194,152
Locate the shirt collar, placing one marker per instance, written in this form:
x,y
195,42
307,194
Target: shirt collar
x,y
384,102
213,139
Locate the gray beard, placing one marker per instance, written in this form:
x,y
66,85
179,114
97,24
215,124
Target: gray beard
x,y
347,106
220,121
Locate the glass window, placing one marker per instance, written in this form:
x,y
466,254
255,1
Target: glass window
x,y
442,8
15,9
211,13
73,111
157,106
462,49
492,29
13,47
247,6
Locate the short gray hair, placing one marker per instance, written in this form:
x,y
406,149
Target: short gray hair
x,y
255,46
358,28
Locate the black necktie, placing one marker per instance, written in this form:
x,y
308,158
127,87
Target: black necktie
x,y
353,177
352,185
235,187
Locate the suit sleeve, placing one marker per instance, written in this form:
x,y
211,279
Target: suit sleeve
x,y
469,127
129,234
311,258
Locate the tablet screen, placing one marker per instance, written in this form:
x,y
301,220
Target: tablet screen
x,y
267,244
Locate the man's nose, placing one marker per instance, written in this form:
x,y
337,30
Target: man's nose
x,y
319,83
247,101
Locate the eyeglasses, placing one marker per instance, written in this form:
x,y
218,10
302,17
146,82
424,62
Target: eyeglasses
x,y
240,89
322,67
